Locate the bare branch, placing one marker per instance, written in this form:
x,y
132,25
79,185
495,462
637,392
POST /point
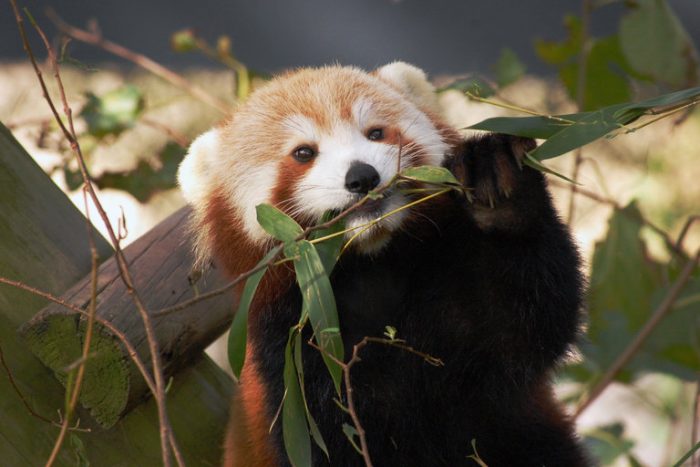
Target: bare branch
x,y
14,385
96,39
661,311
167,439
586,9
695,434
92,307
181,140
672,245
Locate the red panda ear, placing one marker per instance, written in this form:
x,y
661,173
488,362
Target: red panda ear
x,y
194,174
412,82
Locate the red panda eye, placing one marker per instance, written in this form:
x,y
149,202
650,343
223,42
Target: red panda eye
x,y
375,134
304,153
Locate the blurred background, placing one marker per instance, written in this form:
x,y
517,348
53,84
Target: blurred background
x,y
638,190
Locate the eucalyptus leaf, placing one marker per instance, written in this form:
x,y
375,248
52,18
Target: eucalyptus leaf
x,y
278,224
239,327
329,249
313,427
595,125
570,131
319,305
430,174
295,432
351,433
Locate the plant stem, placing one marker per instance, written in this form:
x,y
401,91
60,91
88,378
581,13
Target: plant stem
x,y
661,311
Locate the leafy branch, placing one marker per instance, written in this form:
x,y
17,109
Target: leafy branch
x,y
346,367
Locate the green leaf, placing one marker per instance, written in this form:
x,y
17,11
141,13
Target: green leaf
x,y
319,305
239,327
329,249
628,112
509,68
655,43
605,79
561,53
113,112
295,431
145,180
351,433
567,132
607,443
430,174
626,286
674,346
529,127
471,85
588,129
623,277
278,224
313,427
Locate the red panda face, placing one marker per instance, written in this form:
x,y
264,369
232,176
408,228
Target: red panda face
x,y
318,140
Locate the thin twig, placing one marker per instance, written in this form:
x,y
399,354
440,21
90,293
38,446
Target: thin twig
x,y
94,258
140,60
304,235
586,9
695,434
214,293
349,392
672,245
686,228
131,351
14,385
634,346
516,108
167,440
181,140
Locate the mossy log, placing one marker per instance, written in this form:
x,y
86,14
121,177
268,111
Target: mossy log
x,y
43,243
160,263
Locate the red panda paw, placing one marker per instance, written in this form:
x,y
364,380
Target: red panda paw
x,y
503,194
491,167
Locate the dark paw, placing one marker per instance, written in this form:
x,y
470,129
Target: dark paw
x,y
491,166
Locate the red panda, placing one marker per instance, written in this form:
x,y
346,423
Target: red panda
x,y
491,285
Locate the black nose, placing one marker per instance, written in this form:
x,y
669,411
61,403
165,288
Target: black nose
x,y
361,178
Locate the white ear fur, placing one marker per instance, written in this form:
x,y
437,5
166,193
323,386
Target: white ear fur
x,y
193,174
412,82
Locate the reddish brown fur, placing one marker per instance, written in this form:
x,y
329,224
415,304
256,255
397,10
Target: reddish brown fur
x,y
230,246
254,135
247,439
290,171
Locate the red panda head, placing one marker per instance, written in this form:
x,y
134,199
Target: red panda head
x,y
311,141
